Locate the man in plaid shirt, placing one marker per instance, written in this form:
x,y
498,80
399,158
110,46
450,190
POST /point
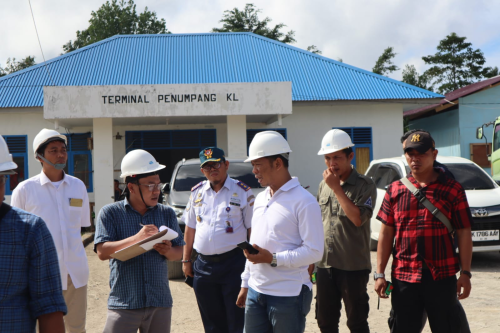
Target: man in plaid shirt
x,y
425,262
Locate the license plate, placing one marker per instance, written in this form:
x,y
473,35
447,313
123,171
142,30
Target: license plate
x,y
485,235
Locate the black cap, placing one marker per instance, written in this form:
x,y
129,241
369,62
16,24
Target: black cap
x,y
420,141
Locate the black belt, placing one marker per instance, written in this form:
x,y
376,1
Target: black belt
x,y
220,257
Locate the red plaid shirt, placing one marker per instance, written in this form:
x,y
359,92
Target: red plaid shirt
x,y
419,235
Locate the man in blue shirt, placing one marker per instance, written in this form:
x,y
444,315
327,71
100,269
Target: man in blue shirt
x,y
140,296
30,282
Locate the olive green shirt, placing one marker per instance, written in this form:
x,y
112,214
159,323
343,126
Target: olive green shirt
x,y
347,246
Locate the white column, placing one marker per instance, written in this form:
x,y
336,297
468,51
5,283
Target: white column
x,y
237,136
103,162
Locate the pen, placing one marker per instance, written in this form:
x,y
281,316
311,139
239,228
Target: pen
x,y
142,225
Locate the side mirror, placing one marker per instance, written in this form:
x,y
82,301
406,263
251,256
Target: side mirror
x,y
479,133
166,188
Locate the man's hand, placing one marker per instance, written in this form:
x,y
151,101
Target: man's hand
x,y
380,286
163,248
147,231
310,270
331,179
263,257
463,283
187,269
242,297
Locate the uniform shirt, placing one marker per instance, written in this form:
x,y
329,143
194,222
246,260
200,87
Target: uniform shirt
x,y
347,246
30,283
288,224
207,212
419,235
142,281
64,218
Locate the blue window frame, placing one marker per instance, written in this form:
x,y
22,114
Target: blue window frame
x,y
18,147
171,139
252,132
80,158
363,146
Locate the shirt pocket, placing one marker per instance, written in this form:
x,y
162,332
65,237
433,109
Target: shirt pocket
x,y
325,204
75,216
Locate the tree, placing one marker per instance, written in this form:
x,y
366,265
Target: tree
x,y
456,64
314,49
411,76
117,18
247,20
14,66
384,64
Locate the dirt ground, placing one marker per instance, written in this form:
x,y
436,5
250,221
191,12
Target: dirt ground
x,y
482,307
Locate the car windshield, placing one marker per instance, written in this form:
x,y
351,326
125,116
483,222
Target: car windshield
x,y
190,175
470,176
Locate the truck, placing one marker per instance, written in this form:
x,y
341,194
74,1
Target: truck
x,y
494,158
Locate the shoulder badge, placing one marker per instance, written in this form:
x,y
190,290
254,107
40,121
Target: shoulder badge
x,y
243,186
369,202
196,186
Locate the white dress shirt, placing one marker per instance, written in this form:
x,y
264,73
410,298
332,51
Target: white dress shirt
x,y
64,218
207,212
289,224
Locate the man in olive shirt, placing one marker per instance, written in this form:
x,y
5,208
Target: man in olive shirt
x,y
346,199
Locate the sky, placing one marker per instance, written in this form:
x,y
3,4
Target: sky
x,y
357,31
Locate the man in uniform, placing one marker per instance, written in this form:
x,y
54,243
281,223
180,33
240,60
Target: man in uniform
x,y
62,202
346,199
218,217
30,282
140,297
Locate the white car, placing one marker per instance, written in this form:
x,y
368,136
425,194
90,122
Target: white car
x,y
483,195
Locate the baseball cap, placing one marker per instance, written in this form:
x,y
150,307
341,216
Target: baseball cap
x,y
420,141
212,154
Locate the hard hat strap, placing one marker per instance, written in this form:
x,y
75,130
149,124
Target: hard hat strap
x,y
58,166
140,191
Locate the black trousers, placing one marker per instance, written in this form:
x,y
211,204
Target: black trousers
x,y
217,285
410,302
334,285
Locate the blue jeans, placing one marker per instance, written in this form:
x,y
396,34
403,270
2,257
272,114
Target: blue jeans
x,y
277,314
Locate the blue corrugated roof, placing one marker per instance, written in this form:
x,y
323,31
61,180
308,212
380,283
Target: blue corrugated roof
x,y
203,58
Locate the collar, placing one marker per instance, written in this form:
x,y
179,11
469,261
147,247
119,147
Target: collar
x,y
227,184
292,183
441,177
352,177
44,179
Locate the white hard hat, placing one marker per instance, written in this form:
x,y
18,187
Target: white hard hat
x,y
267,143
335,140
138,162
47,135
7,164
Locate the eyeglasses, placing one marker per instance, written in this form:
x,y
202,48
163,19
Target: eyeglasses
x,y
208,167
152,187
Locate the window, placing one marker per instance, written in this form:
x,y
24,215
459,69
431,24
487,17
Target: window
x,y
18,147
385,175
80,158
363,147
252,132
470,176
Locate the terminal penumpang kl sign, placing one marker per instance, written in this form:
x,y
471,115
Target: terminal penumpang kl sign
x,y
169,100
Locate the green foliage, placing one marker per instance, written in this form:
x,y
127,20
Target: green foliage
x,y
411,76
456,64
14,66
384,64
493,72
314,49
247,20
117,18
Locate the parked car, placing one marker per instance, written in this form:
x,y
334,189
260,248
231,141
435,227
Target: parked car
x,y
483,195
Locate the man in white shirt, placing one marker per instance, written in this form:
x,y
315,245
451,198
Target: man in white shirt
x,y
62,202
287,231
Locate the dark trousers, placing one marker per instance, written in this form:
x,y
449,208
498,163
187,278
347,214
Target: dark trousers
x,y
439,299
217,285
334,285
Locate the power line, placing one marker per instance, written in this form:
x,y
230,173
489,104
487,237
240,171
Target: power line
x,y
39,43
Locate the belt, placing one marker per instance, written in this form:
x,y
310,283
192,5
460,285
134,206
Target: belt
x,y
220,257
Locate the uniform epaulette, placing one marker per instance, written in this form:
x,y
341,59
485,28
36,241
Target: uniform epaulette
x,y
196,186
243,186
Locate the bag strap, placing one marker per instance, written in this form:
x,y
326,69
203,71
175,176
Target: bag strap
x,y
427,204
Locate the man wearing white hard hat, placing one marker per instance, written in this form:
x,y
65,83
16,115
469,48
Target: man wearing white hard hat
x,y
30,281
287,231
140,297
346,199
62,202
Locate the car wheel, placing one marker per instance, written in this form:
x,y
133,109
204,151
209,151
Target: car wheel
x,y
373,244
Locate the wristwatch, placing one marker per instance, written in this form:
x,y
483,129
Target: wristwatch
x,y
274,263
378,276
466,273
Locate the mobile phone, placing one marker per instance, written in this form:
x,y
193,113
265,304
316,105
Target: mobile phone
x,y
189,281
246,246
389,288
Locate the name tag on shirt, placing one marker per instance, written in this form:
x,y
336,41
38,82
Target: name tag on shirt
x,y
75,202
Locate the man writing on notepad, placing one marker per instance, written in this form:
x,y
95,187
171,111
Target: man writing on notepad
x,y
140,296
